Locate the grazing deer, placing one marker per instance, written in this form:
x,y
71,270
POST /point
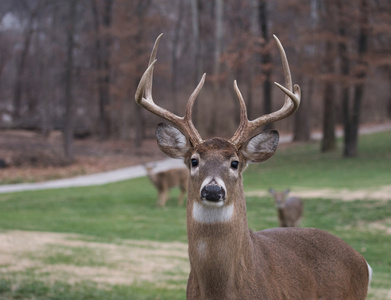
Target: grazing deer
x,y
289,209
166,180
227,260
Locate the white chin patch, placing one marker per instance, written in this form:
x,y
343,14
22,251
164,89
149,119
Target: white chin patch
x,y
210,214
212,203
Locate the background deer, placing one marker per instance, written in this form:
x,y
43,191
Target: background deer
x,y
227,260
289,209
166,180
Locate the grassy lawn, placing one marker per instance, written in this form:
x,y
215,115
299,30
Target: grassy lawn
x,y
104,225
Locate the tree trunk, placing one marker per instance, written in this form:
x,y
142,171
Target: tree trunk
x,y
141,10
217,66
302,126
351,140
197,51
389,97
17,93
69,100
175,54
266,60
102,45
251,66
328,141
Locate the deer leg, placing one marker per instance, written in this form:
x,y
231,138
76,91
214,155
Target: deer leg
x,y
162,198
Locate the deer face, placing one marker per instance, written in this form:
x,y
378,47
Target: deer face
x,y
215,168
215,165
279,197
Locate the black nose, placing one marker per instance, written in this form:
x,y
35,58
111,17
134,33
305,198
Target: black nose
x,y
213,192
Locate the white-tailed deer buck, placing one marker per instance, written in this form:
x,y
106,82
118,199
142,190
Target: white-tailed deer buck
x,y
166,180
227,260
289,209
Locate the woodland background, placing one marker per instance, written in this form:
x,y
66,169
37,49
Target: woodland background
x,y
74,65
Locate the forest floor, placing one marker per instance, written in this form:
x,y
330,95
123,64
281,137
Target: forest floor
x,y
31,157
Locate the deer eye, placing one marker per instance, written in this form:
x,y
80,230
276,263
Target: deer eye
x,y
194,162
234,164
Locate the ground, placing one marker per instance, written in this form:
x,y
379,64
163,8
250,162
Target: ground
x,y
125,262
377,193
34,158
30,157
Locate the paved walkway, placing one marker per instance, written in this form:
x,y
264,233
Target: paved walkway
x,y
93,179
139,171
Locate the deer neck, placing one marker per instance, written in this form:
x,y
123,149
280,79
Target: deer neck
x,y
219,245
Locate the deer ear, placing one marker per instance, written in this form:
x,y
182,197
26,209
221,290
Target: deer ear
x,y
171,141
260,147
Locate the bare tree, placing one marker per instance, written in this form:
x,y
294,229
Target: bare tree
x,y
175,53
28,33
352,116
141,7
302,123
197,48
266,58
103,44
69,69
218,43
112,35
328,140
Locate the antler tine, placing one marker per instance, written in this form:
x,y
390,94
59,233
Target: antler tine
x,y
291,104
189,110
152,60
295,97
184,124
236,139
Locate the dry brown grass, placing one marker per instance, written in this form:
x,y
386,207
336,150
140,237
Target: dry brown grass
x,y
65,257
379,193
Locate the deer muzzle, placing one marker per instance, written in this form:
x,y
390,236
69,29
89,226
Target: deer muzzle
x,y
213,191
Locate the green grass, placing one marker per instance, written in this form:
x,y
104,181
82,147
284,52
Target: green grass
x,y
305,166
121,210
35,289
127,210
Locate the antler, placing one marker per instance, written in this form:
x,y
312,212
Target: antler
x,y
292,102
184,124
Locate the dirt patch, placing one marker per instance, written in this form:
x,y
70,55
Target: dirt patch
x,y
381,225
383,294
381,193
54,256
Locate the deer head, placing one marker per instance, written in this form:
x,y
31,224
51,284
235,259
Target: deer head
x,y
279,197
216,164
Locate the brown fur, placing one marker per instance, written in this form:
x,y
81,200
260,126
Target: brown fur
x,y
227,260
289,209
284,263
166,180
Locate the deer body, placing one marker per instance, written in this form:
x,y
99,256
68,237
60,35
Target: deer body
x,y
166,180
289,209
227,260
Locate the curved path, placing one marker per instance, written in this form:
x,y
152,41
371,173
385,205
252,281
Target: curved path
x,y
139,171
